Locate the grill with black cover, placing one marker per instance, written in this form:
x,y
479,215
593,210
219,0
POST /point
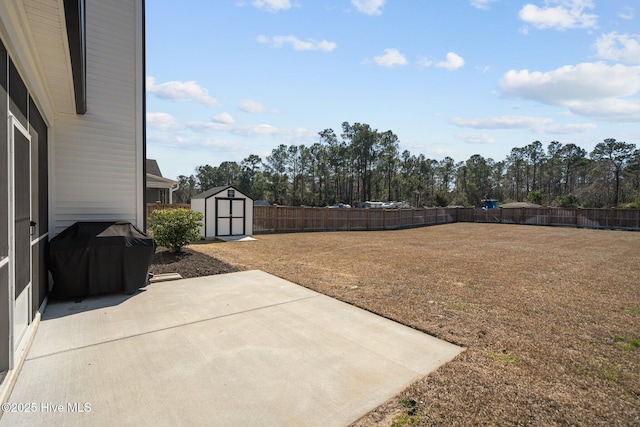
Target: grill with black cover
x,y
92,258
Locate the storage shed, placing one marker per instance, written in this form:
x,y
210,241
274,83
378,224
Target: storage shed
x,y
227,212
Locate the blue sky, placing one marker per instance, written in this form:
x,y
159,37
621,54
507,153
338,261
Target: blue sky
x,y
230,78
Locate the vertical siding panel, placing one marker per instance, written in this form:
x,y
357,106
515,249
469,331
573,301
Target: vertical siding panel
x,y
96,156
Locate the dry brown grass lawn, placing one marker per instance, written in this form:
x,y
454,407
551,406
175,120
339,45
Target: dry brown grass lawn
x,y
550,317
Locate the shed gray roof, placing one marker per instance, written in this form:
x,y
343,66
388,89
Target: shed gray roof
x,y
215,190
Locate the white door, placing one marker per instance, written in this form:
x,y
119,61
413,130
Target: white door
x,y
237,217
20,230
230,217
223,214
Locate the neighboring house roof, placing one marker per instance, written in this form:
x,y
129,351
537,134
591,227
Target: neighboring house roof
x,y
155,178
154,181
215,190
153,168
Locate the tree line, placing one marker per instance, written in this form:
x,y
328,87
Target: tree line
x,y
364,164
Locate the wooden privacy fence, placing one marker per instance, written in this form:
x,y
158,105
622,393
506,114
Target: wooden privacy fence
x,y
288,219
618,219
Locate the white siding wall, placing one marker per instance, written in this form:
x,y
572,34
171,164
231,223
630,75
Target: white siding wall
x,y
97,157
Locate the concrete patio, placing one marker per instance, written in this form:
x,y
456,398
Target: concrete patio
x,y
240,349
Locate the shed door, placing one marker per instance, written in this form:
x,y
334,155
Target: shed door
x,y
230,217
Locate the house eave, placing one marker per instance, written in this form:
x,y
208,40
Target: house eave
x,y
35,35
155,181
75,20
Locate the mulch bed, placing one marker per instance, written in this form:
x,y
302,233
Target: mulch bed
x,y
188,263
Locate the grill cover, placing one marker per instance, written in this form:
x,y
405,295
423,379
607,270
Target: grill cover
x,y
92,258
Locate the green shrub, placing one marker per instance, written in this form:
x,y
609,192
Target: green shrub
x,y
568,201
441,199
536,197
633,205
175,228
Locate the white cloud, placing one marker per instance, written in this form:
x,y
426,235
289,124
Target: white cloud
x,y
219,144
272,5
425,62
453,62
162,121
369,7
627,13
391,58
164,130
167,140
249,106
476,138
481,4
542,125
224,118
569,128
181,91
614,109
502,122
254,130
596,90
586,81
560,14
297,44
298,135
619,47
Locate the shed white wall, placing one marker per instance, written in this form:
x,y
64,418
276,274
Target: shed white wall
x,y
198,206
97,158
212,216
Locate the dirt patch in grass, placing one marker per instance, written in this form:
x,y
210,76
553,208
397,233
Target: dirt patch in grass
x,y
550,316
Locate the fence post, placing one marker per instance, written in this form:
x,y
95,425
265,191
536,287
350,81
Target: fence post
x,y
612,219
325,214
